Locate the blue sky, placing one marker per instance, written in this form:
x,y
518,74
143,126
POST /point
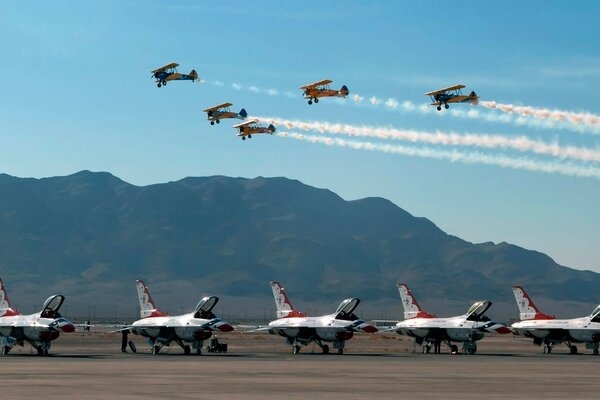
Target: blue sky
x,y
77,94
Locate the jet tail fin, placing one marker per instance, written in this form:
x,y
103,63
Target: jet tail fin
x,y
284,307
527,309
411,307
147,306
6,309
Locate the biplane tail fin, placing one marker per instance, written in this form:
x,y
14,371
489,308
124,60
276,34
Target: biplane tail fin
x,y
474,98
272,128
243,113
344,91
194,75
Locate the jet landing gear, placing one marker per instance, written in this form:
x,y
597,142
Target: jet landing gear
x,y
296,349
469,347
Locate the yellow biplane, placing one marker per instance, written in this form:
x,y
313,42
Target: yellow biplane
x,y
169,73
315,90
217,113
452,94
249,128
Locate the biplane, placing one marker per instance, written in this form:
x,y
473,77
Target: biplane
x,y
169,73
452,94
315,90
222,111
249,128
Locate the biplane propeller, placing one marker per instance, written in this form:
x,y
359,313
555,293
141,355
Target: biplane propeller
x,y
216,113
315,90
169,73
252,127
452,94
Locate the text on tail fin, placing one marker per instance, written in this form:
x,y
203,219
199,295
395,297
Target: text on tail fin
x,y
527,308
6,309
147,306
411,307
284,307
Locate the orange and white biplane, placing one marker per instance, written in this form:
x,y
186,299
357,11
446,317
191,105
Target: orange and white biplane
x,y
452,94
249,128
217,113
315,90
169,73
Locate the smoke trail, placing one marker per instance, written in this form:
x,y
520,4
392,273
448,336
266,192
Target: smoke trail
x,y
544,113
454,156
521,143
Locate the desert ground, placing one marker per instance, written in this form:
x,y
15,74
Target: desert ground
x,y
90,365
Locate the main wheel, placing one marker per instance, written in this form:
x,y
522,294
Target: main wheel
x,y
454,349
5,350
155,350
296,349
439,108
426,349
187,350
573,349
340,351
45,352
547,349
212,122
158,84
325,349
316,100
446,106
243,137
249,136
309,102
595,352
198,351
218,121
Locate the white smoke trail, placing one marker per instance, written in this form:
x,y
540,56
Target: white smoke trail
x,y
520,143
454,156
544,113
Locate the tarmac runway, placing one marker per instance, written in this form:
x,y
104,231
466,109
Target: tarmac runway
x,y
91,366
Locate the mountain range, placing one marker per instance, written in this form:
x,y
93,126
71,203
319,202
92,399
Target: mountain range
x,y
90,235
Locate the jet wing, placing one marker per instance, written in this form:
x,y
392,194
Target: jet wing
x,y
315,84
224,105
166,67
444,90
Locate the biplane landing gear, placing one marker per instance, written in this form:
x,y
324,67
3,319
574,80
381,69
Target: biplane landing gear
x,y
218,121
243,137
310,102
316,100
439,108
446,106
249,136
159,84
212,122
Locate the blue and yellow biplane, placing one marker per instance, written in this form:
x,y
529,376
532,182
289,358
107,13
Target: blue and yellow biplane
x,y
249,128
169,73
452,94
217,113
315,90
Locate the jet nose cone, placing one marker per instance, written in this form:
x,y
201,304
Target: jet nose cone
x,y
225,327
66,326
503,330
369,329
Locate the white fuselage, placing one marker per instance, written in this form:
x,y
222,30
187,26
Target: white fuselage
x,y
457,329
32,328
325,328
185,327
575,329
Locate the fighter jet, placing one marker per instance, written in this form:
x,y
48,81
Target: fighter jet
x,y
429,330
546,329
162,329
299,329
38,329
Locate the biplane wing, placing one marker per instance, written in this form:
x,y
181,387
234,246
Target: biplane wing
x,y
320,83
166,67
252,121
444,90
214,108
